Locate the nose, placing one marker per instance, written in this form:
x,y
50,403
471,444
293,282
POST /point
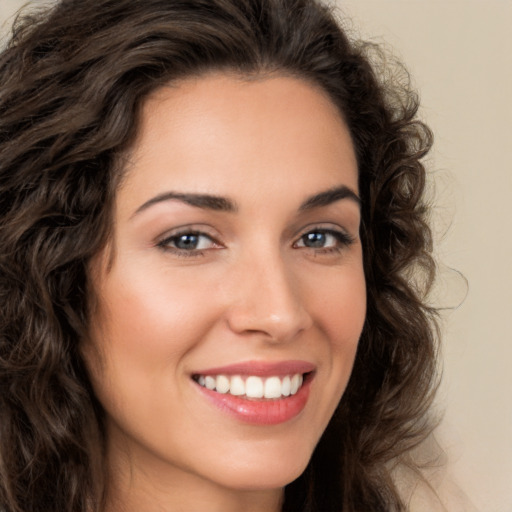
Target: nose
x,y
267,301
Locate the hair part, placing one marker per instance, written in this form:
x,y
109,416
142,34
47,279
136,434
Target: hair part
x,y
72,82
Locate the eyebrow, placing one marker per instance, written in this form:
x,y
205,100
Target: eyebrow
x,y
204,201
328,197
224,204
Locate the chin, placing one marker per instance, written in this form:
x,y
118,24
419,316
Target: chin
x,y
263,479
276,471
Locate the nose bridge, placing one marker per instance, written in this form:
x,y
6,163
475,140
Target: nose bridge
x,y
268,301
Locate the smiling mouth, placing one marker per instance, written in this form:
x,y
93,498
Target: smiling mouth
x,y
253,386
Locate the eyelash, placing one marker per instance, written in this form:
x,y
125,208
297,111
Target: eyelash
x,y
165,244
343,240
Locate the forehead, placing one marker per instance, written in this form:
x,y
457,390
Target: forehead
x,y
219,133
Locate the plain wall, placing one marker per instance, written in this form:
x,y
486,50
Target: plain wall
x,y
460,55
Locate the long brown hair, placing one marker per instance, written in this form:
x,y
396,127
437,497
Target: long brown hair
x,y
72,79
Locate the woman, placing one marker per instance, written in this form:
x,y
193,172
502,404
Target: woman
x,y
211,215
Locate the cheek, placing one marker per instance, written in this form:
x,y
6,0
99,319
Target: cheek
x,y
341,312
144,327
341,307
154,315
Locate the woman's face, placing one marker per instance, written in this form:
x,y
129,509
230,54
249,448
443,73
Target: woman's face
x,y
235,269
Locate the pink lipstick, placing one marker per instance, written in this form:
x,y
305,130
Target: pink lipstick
x,y
262,393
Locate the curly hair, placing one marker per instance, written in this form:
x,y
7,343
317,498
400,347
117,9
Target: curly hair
x,y
72,81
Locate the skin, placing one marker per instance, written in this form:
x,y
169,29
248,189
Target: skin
x,y
254,290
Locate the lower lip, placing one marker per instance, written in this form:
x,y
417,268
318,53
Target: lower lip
x,y
261,411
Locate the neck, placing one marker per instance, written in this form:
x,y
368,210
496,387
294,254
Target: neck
x,y
143,494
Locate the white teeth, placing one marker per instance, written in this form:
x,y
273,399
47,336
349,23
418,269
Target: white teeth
x,y
237,387
209,382
273,388
253,386
287,386
222,385
295,384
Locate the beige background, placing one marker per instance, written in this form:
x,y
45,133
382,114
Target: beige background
x,y
460,55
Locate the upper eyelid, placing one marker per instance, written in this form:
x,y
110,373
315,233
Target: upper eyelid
x,y
189,229
202,230
324,227
193,233
166,240
332,231
342,236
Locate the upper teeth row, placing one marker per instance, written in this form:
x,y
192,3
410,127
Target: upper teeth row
x,y
253,386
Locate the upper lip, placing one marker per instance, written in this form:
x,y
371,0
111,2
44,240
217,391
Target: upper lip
x,y
261,368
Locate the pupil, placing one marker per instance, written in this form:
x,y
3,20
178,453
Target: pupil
x,y
187,242
315,239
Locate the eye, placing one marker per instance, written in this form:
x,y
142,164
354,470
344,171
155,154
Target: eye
x,y
324,239
188,242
